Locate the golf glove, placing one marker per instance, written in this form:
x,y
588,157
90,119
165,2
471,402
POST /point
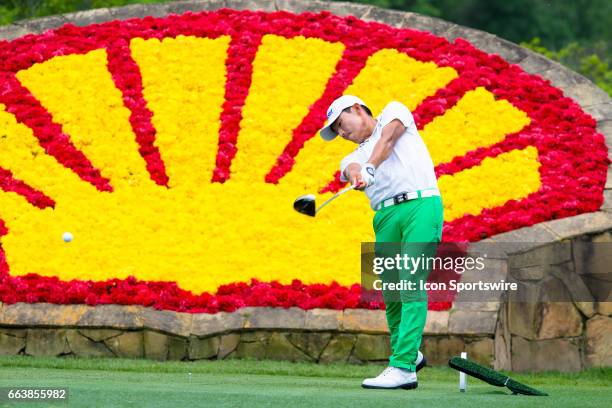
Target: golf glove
x,y
367,174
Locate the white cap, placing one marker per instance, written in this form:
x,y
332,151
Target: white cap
x,y
334,110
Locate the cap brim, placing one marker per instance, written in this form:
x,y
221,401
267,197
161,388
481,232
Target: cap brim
x,y
327,134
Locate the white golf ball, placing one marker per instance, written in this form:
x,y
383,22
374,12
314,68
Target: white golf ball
x,y
67,237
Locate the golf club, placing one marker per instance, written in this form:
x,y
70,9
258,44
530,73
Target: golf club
x,y
306,204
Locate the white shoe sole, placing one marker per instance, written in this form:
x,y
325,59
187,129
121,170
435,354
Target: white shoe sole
x,y
422,364
407,386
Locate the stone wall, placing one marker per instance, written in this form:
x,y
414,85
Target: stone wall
x,y
309,346
317,335
562,321
521,336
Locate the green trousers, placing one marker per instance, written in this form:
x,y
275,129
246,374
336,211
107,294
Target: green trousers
x,y
413,228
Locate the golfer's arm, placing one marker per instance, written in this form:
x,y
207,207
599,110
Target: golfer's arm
x,y
351,167
383,148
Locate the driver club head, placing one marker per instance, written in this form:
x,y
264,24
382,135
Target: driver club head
x,y
305,204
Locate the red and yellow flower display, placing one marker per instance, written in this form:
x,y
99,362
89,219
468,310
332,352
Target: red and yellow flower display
x,y
172,149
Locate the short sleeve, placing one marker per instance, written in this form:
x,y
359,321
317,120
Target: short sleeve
x,y
396,110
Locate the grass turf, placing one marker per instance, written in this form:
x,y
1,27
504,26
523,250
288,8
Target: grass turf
x,y
248,383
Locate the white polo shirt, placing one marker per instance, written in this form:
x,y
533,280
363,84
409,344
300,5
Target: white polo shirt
x,y
409,167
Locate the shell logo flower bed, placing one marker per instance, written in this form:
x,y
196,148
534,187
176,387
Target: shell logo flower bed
x,y
172,149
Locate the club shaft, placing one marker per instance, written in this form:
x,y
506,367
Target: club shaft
x,y
338,194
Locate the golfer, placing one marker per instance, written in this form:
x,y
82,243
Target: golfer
x,y
394,169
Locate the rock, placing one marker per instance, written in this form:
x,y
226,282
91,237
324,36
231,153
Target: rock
x,y
586,94
604,308
43,314
127,345
559,319
575,285
586,308
311,343
155,345
543,310
521,319
601,112
545,355
551,254
251,349
88,17
544,320
40,25
298,6
481,351
137,11
203,348
564,78
227,345
552,289
524,239
599,342
600,286
390,17
437,322
535,63
177,348
11,32
251,5
534,272
11,345
167,321
99,334
346,9
370,347
22,333
606,236
593,257
538,263
280,348
46,342
207,324
607,203
448,347
115,316
424,23
475,306
338,349
502,349
364,320
605,127
255,336
323,319
252,345
439,349
82,346
579,225
495,270
180,7
472,322
277,318
593,260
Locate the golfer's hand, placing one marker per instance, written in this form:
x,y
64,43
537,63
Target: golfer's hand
x,y
367,174
356,179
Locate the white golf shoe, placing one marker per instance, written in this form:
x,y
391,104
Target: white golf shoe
x,y
391,378
421,361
